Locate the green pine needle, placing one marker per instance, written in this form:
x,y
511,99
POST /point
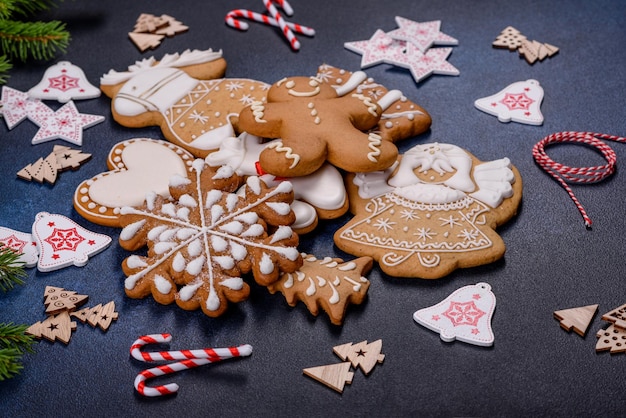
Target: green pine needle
x,y
11,269
9,8
5,66
13,342
38,40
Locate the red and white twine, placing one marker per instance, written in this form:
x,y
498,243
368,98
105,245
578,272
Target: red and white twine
x,y
188,360
585,175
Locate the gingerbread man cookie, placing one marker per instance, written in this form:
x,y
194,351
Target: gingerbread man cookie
x,y
434,212
185,95
401,120
315,124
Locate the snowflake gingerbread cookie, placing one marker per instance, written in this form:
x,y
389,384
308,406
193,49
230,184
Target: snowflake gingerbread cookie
x,y
315,124
185,95
434,212
207,237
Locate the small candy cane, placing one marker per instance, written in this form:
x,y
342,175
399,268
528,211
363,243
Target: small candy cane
x,y
585,175
233,15
293,41
192,359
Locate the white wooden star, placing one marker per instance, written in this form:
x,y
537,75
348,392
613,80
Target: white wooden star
x,y
15,106
423,65
66,124
379,49
421,34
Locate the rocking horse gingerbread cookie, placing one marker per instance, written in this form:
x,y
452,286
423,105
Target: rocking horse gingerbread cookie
x,y
185,95
436,210
314,123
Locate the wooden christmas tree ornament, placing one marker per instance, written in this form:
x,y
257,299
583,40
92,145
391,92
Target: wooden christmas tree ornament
x,y
145,41
612,339
57,299
362,355
55,327
334,376
617,316
509,38
577,319
60,159
98,316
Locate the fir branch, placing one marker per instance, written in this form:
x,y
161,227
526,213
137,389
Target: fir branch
x,y
38,40
5,66
9,8
11,269
14,342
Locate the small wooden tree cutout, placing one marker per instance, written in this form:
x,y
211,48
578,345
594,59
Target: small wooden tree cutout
x,y
61,158
509,38
100,316
57,299
536,51
334,376
577,319
55,327
362,355
617,316
145,41
612,339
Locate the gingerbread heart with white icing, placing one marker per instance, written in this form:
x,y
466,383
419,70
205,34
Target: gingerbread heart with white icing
x,y
138,166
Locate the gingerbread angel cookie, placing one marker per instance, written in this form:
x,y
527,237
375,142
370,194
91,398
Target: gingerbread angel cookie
x,y
185,95
401,120
316,124
434,212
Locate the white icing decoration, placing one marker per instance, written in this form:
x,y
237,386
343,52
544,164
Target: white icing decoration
x,y
163,247
238,251
224,172
334,299
194,248
289,154
279,207
224,261
212,197
389,98
266,265
155,232
347,266
163,285
255,230
248,218
179,263
219,244
234,283
234,228
184,233
283,232
310,291
187,292
254,184
183,213
135,261
187,200
168,234
194,267
129,231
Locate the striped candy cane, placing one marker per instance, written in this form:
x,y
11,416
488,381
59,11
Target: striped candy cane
x,y
291,38
232,20
585,175
189,359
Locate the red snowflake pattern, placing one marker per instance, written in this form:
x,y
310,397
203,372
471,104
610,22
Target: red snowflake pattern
x,y
13,243
517,101
463,313
64,239
63,82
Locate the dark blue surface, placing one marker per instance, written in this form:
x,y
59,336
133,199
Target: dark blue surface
x,y
552,261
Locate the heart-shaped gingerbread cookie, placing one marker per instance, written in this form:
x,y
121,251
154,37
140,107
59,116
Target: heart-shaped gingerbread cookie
x,y
138,166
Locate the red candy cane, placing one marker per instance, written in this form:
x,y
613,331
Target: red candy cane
x,y
585,175
190,359
233,21
293,41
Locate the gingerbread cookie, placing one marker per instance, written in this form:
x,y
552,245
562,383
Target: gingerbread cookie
x,y
401,120
137,167
315,124
329,283
202,241
185,95
318,195
434,212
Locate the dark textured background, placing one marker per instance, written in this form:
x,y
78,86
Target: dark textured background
x,y
552,261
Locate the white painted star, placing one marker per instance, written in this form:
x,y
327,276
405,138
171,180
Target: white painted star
x,y
423,65
66,124
450,221
15,106
377,50
425,233
421,34
234,86
468,235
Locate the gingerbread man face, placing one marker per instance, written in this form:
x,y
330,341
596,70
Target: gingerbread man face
x,y
315,125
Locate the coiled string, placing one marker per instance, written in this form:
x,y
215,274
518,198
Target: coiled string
x,y
564,174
